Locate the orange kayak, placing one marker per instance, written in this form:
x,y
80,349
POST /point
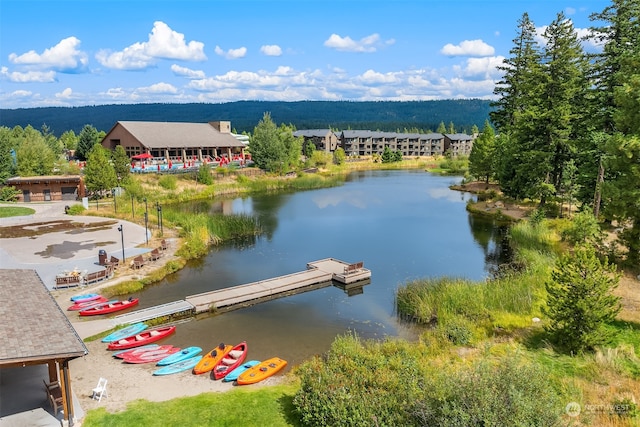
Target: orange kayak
x,y
211,359
261,371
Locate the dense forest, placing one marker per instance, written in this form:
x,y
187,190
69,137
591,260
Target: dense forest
x,y
244,115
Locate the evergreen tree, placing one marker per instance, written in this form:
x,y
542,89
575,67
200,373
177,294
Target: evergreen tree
x,y
99,173
441,128
580,301
121,163
273,148
451,128
517,86
482,154
565,70
619,33
387,155
86,140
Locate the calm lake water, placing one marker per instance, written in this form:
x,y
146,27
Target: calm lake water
x,y
403,225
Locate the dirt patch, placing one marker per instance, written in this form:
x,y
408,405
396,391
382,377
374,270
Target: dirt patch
x,y
40,228
629,291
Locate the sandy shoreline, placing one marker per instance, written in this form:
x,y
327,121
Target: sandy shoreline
x,y
126,382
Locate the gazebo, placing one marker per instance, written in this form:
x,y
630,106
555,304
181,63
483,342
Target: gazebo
x,y
36,331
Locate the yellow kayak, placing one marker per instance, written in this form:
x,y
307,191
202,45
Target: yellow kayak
x,y
261,371
211,359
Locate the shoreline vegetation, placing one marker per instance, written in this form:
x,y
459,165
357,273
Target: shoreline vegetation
x,y
483,347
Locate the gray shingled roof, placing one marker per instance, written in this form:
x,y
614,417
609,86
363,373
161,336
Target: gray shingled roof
x,y
32,325
458,136
321,133
179,135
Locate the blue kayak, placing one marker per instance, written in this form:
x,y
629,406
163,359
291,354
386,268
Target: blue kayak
x,y
233,375
174,368
185,353
134,329
85,297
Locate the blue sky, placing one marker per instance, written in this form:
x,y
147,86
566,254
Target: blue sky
x,y
91,52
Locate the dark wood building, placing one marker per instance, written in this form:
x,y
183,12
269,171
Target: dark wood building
x,y
48,188
175,141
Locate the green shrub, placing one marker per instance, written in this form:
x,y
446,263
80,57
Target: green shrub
x,y
458,331
204,175
584,229
168,182
76,209
9,194
508,393
360,384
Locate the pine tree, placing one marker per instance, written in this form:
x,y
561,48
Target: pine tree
x,y
441,128
580,301
87,138
482,154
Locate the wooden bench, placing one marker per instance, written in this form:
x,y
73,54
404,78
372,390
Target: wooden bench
x,y
68,281
138,262
155,254
95,277
163,245
352,268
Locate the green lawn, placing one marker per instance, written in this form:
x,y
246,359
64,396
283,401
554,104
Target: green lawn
x,y
7,211
267,406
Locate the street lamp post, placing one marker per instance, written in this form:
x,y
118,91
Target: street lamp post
x,y
160,219
122,239
115,204
133,212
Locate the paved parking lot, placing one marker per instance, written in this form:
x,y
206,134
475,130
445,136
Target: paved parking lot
x,y
60,242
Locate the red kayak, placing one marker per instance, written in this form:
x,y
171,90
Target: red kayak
x,y
143,338
231,361
153,355
109,307
87,304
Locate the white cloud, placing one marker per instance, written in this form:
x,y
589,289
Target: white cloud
x,y
468,48
569,10
64,57
163,43
231,53
158,88
65,94
484,67
375,78
271,50
187,72
347,44
21,93
28,76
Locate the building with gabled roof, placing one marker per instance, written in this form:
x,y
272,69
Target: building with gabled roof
x,y
35,331
458,143
175,140
324,139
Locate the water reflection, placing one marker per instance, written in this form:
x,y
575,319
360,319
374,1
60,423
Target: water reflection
x,y
403,225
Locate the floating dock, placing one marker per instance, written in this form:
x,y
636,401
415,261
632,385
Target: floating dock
x,y
318,274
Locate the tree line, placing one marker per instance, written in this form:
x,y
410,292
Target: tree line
x,y
567,122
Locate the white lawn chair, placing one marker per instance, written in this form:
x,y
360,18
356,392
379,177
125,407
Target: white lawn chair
x,y
100,390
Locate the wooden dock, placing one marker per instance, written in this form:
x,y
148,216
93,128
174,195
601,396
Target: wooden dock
x,y
154,312
318,274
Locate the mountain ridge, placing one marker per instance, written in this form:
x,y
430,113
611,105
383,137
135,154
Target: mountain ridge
x,y
245,115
